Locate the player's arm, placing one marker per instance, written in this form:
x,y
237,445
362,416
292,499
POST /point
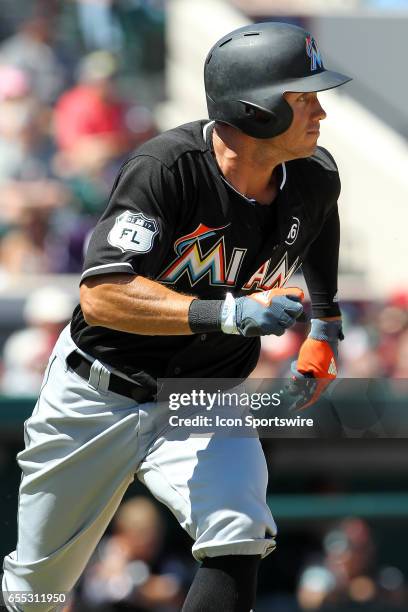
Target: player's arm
x,y
134,304
316,365
138,305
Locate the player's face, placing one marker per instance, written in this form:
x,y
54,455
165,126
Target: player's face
x,y
300,139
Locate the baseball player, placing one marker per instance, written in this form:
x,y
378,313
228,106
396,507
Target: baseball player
x,y
185,270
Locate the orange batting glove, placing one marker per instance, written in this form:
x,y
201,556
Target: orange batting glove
x,y
316,366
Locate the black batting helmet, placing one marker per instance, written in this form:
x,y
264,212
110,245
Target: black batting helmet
x,y
247,71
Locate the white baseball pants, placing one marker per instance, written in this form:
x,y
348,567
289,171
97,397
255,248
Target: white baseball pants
x,y
83,447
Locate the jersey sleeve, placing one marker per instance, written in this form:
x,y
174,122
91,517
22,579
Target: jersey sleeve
x,y
135,231
320,267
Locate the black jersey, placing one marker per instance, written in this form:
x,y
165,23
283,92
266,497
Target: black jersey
x,y
172,217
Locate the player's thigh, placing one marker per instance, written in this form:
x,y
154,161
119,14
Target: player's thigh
x,y
216,487
79,458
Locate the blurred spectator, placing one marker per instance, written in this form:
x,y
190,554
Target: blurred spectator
x,y
25,147
348,577
93,124
31,50
99,26
142,27
129,571
29,244
94,129
401,360
392,322
26,352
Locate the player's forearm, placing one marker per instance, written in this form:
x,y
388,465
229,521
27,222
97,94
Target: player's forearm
x,y
134,304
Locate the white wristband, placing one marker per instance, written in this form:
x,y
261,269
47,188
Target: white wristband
x,y
228,318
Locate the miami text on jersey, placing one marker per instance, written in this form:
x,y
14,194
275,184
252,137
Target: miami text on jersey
x,y
196,262
264,279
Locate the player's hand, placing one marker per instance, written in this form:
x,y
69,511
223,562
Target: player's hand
x,y
263,313
316,366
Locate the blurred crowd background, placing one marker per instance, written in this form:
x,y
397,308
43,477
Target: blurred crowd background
x,y
71,108
83,83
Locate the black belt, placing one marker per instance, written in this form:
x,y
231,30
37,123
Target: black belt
x,y
119,385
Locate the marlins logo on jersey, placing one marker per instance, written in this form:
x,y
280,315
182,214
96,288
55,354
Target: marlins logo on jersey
x,y
195,261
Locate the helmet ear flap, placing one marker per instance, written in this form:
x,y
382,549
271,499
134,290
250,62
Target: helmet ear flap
x,y
283,113
272,119
254,120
